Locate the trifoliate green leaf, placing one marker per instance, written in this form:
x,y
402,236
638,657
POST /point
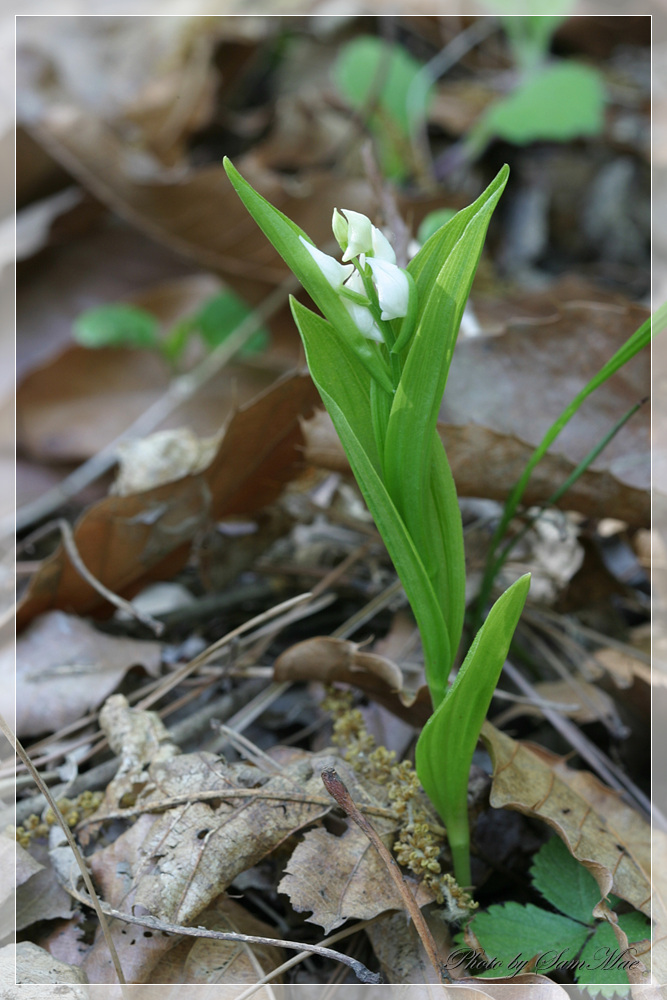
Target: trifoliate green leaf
x,y
564,882
514,934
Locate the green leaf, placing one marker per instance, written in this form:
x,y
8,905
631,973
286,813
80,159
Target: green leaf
x,y
116,325
514,933
447,741
558,103
443,271
346,396
564,882
221,315
284,235
601,961
433,222
381,79
635,925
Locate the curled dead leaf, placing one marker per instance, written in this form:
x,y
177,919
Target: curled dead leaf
x,y
609,838
126,541
327,659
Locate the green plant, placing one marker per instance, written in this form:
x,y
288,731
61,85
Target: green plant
x,y
385,86
515,937
125,325
380,356
556,101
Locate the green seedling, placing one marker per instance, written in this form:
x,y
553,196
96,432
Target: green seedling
x,y
379,355
517,938
385,86
124,325
553,101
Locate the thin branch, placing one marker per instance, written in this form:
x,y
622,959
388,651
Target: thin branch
x,y
94,899
363,974
339,792
159,805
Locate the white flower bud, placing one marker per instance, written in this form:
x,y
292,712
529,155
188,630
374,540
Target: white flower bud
x,y
392,287
359,235
333,271
363,320
382,248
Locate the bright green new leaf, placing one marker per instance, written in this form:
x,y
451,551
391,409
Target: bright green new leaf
x,y
220,316
382,80
346,398
447,741
512,933
116,325
577,895
443,271
560,102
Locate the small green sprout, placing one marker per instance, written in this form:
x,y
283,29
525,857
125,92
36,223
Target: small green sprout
x,y
379,356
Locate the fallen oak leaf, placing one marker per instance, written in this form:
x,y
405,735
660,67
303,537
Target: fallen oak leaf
x,y
609,838
210,960
339,878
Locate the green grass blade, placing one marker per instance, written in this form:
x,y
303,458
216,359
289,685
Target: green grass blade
x,y
447,741
564,487
635,343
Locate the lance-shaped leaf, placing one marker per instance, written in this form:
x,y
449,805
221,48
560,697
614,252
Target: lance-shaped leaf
x,y
285,237
348,403
410,431
447,742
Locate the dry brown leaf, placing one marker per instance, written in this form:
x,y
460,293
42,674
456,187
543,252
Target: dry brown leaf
x,y
39,896
326,659
338,878
198,214
401,953
609,838
505,457
206,960
128,541
495,382
173,865
65,667
34,965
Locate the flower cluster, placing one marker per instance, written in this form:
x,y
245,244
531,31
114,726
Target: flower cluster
x,y
371,284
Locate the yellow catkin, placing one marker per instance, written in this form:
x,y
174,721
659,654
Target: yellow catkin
x,y
417,845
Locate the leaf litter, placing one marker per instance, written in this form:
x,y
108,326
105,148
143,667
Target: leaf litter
x,y
166,859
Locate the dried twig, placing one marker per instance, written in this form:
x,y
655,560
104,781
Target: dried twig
x,y
363,974
339,792
159,805
94,899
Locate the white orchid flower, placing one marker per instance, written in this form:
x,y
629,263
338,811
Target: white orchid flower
x,y
364,321
392,287
382,248
335,272
354,233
